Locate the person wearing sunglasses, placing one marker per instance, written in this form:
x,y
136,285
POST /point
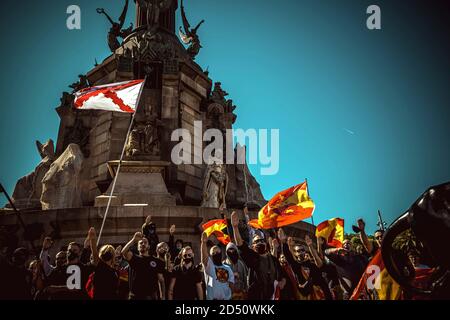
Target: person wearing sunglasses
x,y
186,281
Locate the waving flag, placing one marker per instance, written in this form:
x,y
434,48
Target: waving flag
x,y
287,207
120,97
333,231
376,283
219,229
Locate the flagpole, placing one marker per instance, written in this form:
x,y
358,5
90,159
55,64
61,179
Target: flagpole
x,y
307,189
19,217
120,162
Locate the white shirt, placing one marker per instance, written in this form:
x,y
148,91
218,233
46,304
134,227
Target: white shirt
x,y
217,280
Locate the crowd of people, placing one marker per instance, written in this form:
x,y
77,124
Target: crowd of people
x,y
253,266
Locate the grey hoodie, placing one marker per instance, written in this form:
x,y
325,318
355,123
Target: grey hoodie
x,y
239,269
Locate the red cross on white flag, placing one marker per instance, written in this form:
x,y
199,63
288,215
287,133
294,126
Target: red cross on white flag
x,y
120,97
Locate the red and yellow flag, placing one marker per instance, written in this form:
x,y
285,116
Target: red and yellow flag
x,y
333,231
376,283
219,229
287,207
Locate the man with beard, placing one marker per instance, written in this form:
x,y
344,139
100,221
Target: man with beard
x,y
307,270
264,269
186,282
219,278
239,270
349,266
57,289
146,272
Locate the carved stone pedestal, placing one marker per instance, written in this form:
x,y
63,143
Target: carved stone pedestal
x,y
139,182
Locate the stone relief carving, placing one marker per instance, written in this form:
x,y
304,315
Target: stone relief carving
x,y
29,188
61,183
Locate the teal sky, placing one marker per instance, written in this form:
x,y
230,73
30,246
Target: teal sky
x,y
364,115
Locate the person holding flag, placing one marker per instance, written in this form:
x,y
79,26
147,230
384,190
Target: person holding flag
x,y
117,97
218,228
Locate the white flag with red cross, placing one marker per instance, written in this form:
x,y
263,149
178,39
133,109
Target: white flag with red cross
x,y
120,97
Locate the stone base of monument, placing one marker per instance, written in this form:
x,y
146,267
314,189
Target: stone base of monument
x,y
25,204
138,183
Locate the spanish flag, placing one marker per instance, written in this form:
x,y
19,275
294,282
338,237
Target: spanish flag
x,y
287,207
333,231
376,283
219,229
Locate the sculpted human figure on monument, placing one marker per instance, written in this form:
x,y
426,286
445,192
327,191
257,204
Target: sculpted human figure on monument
x,y
116,28
29,188
215,186
189,36
154,9
144,138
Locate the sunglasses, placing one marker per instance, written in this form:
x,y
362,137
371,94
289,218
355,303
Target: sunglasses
x,y
187,256
258,241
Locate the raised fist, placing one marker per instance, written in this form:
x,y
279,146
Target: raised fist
x,y
234,219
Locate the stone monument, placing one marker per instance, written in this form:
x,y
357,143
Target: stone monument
x,y
71,194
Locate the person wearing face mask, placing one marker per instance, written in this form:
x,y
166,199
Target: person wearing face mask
x,y
149,231
219,278
162,253
57,289
186,282
239,270
265,272
307,268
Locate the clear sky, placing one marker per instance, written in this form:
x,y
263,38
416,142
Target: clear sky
x,y
364,115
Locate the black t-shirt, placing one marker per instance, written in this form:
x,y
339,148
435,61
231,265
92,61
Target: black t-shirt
x,y
143,276
349,267
106,282
263,271
186,282
315,274
57,277
17,284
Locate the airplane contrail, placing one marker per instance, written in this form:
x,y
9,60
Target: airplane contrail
x,y
349,131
